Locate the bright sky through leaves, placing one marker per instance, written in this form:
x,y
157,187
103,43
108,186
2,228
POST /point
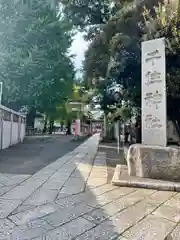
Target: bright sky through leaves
x,y
78,48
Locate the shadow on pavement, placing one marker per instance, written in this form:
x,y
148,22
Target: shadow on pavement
x,y
35,153
70,199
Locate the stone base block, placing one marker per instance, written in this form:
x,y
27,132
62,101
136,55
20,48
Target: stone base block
x,y
154,162
121,178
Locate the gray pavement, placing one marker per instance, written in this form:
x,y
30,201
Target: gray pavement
x,y
35,153
70,199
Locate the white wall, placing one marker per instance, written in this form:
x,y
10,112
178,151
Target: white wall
x,y
6,131
11,132
15,131
22,131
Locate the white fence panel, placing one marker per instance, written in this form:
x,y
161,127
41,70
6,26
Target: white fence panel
x,y
6,139
15,131
22,132
12,127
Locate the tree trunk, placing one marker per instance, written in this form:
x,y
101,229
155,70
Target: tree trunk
x,y
105,126
138,130
177,127
31,117
45,124
62,124
51,126
138,135
68,127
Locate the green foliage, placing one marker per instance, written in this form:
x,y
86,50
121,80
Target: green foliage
x,y
64,113
35,64
114,55
120,53
167,25
87,15
124,113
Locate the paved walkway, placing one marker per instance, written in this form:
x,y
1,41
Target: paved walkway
x,y
35,153
70,199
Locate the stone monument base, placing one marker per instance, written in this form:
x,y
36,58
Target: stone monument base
x,y
121,178
154,162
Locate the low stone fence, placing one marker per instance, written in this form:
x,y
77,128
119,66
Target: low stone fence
x,y
12,127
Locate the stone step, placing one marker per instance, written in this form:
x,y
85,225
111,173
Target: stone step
x,y
121,178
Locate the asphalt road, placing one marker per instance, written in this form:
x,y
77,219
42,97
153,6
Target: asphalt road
x,y
35,153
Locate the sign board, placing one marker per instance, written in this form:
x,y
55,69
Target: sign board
x,y
154,117
75,109
76,106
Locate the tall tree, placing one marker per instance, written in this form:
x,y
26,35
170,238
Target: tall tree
x,y
88,16
166,24
114,52
36,66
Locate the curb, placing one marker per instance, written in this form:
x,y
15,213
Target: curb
x,y
122,179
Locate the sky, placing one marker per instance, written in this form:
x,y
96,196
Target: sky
x,y
78,48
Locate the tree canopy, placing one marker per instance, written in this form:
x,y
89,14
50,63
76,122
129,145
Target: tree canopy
x,y
36,67
114,54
